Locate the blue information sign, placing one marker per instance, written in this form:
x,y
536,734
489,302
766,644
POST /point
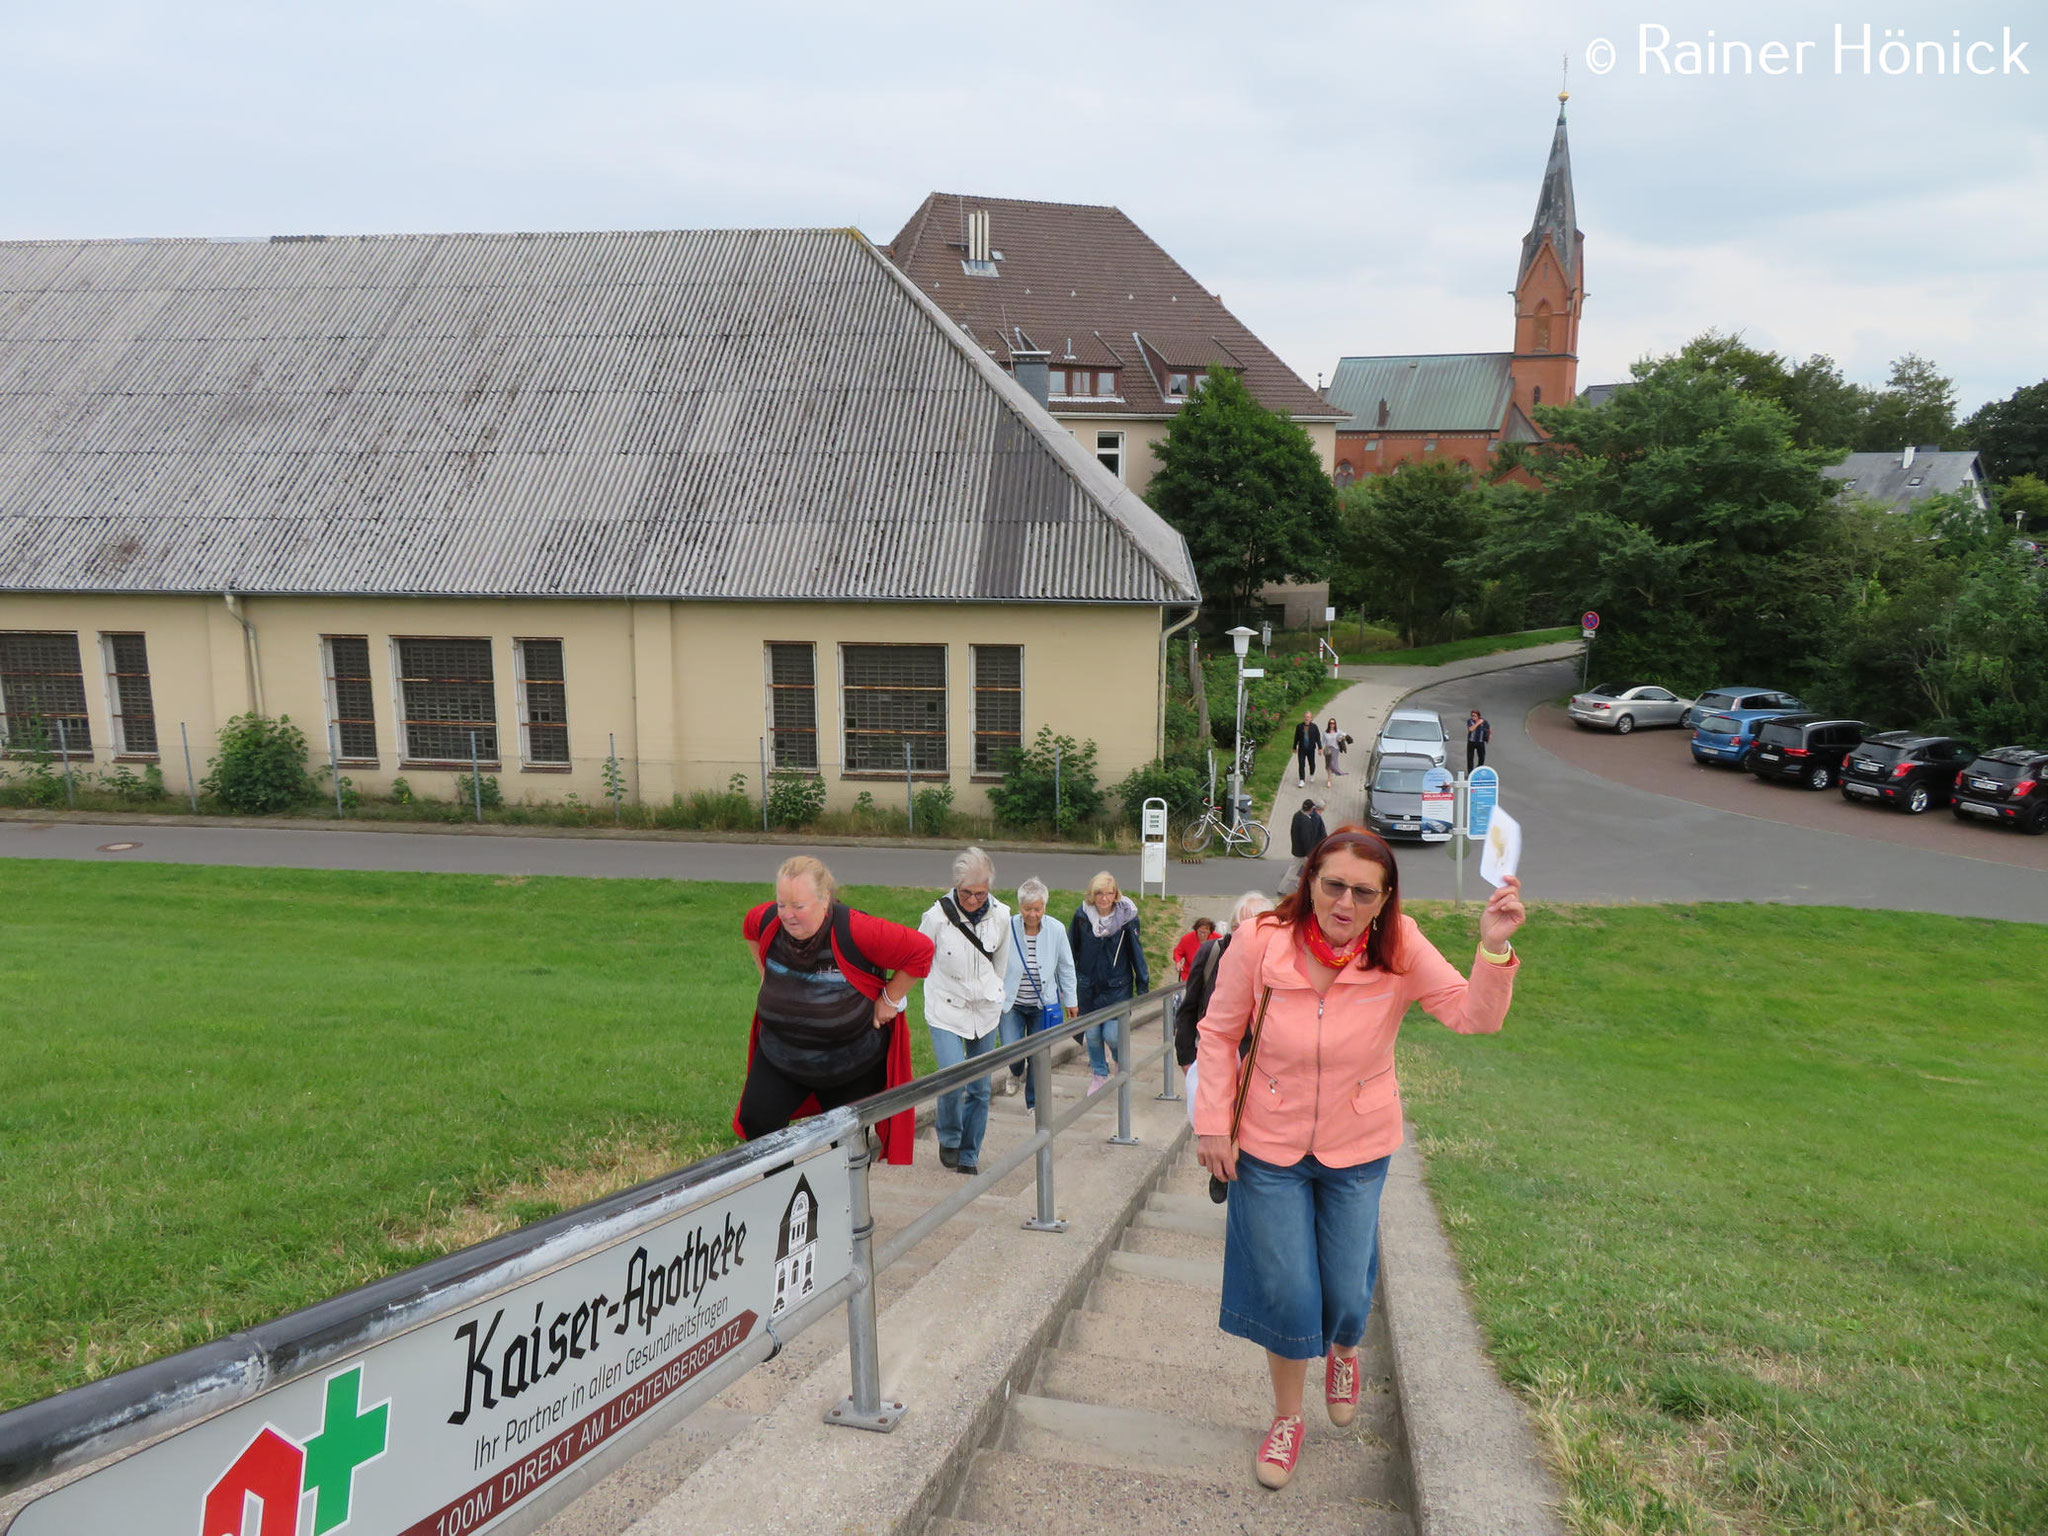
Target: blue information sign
x,y
1483,796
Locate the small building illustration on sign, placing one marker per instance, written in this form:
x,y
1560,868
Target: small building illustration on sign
x,y
796,1250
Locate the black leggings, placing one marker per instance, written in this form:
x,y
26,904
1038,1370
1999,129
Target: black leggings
x,y
772,1097
1475,755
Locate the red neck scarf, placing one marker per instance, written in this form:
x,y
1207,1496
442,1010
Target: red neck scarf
x,y
1335,959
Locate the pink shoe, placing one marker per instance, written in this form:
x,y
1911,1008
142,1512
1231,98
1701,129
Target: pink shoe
x,y
1279,1452
1095,1084
1340,1388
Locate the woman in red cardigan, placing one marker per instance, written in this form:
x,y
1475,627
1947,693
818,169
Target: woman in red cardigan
x,y
829,1026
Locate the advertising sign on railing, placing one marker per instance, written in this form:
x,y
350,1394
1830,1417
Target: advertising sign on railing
x,y
443,1430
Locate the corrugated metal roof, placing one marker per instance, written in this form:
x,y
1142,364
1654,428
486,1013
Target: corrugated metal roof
x,y
1443,392
719,414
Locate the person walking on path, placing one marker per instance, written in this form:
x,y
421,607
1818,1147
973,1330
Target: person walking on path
x,y
1199,934
1322,984
1303,833
1335,745
1039,988
1478,732
963,999
1109,962
829,1025
1307,742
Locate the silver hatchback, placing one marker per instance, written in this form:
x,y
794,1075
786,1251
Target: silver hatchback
x,y
1621,707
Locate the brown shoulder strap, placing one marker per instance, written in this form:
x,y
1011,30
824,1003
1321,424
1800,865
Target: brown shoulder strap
x,y
1244,1076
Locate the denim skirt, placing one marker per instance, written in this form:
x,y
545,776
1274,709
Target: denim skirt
x,y
1301,1254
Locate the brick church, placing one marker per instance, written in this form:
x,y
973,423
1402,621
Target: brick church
x,y
1461,406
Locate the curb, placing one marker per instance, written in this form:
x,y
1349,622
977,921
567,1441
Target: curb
x,y
1474,1462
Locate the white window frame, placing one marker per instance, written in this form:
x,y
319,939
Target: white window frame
x,y
945,732
117,717
1114,449
527,760
817,766
974,731
402,719
327,681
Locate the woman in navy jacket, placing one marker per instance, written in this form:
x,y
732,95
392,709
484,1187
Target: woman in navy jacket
x,y
1109,963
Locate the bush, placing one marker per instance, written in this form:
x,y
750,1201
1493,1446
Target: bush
x,y
401,791
136,789
1049,783
713,810
261,769
33,781
467,793
934,811
795,799
1177,784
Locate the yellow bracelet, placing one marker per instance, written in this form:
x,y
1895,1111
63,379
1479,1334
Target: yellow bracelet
x,y
1489,955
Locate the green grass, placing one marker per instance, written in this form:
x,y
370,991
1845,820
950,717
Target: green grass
x,y
1462,650
1750,1200
233,1092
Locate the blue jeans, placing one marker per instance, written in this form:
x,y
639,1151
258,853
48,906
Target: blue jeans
x,y
1301,1254
962,1119
1101,1040
1018,1022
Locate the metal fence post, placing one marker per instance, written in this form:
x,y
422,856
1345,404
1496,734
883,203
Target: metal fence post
x,y
1047,1219
909,794
334,766
863,1408
64,751
191,784
476,777
1123,1136
611,759
764,782
1056,788
1166,1033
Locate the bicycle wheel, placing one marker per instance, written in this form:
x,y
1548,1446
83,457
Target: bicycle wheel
x,y
1196,835
1253,843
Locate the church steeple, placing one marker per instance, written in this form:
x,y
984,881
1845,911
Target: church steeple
x,y
1550,287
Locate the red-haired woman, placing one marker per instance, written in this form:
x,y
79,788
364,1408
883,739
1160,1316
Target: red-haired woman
x,y
1337,965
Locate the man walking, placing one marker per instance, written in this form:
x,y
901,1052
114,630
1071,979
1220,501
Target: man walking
x,y
1307,742
1477,734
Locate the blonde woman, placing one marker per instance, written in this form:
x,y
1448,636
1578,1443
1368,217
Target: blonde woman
x,y
1109,964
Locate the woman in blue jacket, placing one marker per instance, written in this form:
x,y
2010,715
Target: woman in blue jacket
x,y
1109,964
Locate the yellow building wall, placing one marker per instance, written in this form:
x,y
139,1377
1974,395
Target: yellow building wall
x,y
1141,464
680,688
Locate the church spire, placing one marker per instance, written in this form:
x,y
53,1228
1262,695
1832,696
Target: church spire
x,y
1556,218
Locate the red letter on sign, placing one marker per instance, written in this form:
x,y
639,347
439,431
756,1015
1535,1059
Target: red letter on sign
x,y
274,1470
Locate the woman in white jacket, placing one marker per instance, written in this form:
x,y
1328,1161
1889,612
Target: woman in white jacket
x,y
963,997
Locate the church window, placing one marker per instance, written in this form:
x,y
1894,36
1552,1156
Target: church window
x,y
1344,474
1542,342
1429,445
1372,445
1536,395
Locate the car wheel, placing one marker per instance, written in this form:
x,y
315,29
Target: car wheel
x,y
1818,776
1918,798
2036,823
1750,761
1623,724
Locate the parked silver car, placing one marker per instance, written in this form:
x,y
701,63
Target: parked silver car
x,y
1621,707
1413,730
1393,798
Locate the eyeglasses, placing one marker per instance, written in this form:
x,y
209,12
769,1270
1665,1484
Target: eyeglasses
x,y
1334,889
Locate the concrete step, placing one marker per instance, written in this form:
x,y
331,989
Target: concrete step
x,y
1201,1274
1027,1493
1233,1393
1170,1245
1167,1201
1130,1297
1147,1326
1198,1223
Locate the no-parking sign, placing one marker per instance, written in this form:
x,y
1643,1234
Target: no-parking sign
x,y
1589,620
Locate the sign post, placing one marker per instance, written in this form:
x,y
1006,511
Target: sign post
x,y
1589,621
1152,848
1481,794
1439,807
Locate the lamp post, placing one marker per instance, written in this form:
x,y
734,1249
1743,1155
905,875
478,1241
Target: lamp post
x,y
1241,642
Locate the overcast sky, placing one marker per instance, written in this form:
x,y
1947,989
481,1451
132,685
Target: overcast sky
x,y
1351,177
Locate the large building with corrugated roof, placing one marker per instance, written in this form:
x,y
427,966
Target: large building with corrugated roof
x,y
691,502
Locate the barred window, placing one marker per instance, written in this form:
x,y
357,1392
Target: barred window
x,y
894,697
998,704
134,710
350,697
793,705
42,693
543,702
448,692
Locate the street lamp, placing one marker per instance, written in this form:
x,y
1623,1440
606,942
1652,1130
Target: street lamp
x,y
1241,642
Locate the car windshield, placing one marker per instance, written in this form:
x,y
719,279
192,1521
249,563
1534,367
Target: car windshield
x,y
1878,752
1609,690
1779,735
1721,725
1400,781
1991,768
1415,730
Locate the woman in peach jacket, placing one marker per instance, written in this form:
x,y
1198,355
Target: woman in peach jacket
x,y
1337,965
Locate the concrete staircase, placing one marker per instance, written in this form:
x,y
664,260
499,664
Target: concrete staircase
x,y
1145,1417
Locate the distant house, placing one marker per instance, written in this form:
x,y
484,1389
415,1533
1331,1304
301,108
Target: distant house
x,y
1898,478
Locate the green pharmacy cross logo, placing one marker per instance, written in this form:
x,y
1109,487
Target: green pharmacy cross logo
x,y
277,1472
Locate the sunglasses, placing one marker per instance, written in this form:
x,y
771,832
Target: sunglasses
x,y
1335,889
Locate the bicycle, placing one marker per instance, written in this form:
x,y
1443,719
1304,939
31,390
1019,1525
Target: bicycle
x,y
1245,839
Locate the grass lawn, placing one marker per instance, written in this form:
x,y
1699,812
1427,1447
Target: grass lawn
x,y
1462,650
1751,1204
233,1092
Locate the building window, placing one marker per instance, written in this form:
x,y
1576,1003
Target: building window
x,y
1176,386
447,694
1372,445
1429,445
42,694
1542,328
1536,395
998,705
1056,381
894,698
543,703
793,706
1109,448
1344,472
1105,385
133,709
349,698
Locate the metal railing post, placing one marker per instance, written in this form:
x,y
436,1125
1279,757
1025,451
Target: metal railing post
x,y
334,765
64,750
191,784
1047,1219
1166,1061
476,777
1123,1136
612,765
863,1408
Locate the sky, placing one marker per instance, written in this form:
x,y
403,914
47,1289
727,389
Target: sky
x,y
1350,177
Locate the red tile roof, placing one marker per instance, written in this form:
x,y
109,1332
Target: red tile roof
x,y
1087,285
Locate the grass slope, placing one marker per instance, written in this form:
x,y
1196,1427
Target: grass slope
x,y
1462,650
1750,1200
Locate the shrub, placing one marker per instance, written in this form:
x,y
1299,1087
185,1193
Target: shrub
x,y
33,780
934,805
466,791
795,799
401,791
1177,784
1049,783
261,769
136,789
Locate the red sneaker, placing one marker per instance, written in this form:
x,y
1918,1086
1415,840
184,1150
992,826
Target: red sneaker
x,y
1279,1453
1340,1388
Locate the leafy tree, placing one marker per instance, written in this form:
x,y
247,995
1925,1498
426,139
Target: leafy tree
x,y
2011,434
1826,410
1245,488
1401,534
1917,405
2024,499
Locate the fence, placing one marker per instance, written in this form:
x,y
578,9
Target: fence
x,y
397,1409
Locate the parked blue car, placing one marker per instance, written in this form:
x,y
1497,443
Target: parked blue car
x,y
1726,736
1734,700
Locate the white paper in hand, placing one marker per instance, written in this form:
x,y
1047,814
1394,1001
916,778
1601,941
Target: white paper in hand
x,y
1501,853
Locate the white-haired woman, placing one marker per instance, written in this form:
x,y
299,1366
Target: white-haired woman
x,y
963,997
1038,985
1194,1002
1109,964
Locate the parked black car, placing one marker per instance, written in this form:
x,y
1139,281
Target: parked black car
x,y
1901,769
1805,748
2007,785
